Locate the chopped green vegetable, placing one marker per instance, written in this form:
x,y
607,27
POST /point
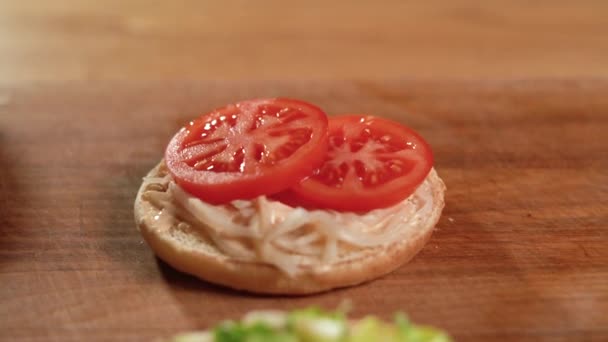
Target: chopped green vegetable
x,y
194,337
370,329
256,332
418,333
315,325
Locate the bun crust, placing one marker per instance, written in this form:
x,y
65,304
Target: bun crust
x,y
205,262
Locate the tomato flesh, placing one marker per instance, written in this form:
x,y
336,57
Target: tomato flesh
x,y
248,149
371,163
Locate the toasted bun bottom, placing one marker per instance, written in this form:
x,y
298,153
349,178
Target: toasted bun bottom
x,y
204,262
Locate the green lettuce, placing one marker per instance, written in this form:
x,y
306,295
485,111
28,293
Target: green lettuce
x,y
316,325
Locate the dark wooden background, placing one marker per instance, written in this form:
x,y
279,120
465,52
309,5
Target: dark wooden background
x,y
519,254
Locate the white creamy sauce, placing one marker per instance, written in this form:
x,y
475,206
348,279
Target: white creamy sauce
x,y
268,231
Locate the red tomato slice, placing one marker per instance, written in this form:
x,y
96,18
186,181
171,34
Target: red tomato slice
x,y
247,149
371,163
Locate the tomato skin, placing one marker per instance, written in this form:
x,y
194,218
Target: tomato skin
x,y
290,198
263,172
331,187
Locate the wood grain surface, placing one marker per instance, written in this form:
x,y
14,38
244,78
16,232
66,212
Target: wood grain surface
x,y
519,254
315,39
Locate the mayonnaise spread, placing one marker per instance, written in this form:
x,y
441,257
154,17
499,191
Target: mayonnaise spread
x,y
268,231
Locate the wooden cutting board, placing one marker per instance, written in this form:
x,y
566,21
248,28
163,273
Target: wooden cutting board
x,y
519,254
